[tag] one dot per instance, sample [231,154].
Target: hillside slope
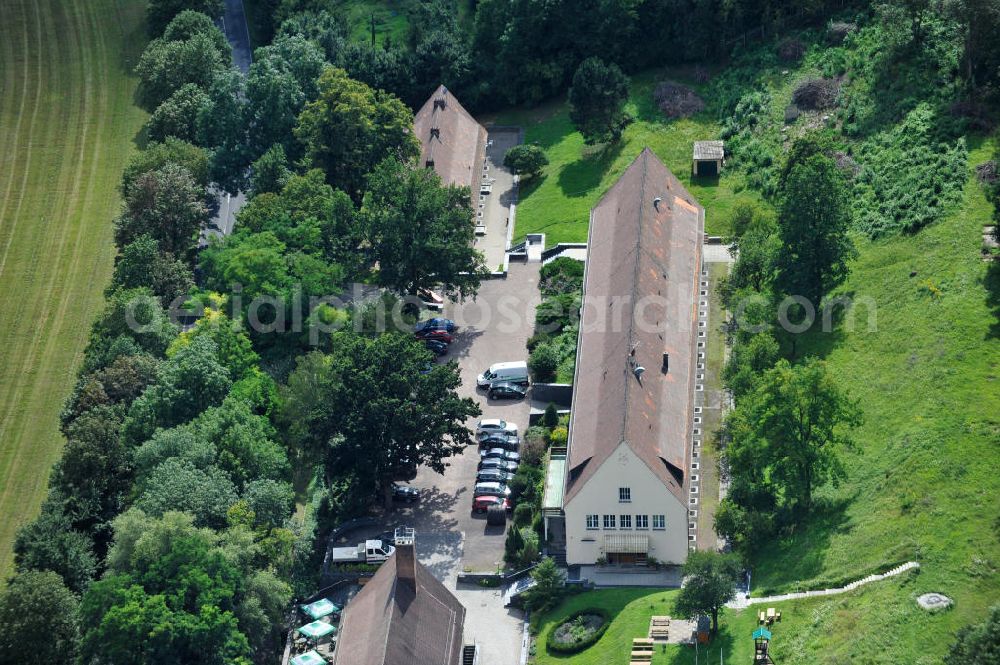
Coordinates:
[922,483]
[66,128]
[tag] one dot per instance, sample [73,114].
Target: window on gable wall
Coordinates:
[624,495]
[609,521]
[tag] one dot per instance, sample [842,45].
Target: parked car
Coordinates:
[482,503]
[436,347]
[491,489]
[507,390]
[496,425]
[439,335]
[405,493]
[493,476]
[497,463]
[499,441]
[515,372]
[500,453]
[436,324]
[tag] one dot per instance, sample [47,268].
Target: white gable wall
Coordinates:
[649,497]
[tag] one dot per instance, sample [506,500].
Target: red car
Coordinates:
[481,504]
[439,335]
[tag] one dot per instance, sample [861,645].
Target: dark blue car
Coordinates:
[435,324]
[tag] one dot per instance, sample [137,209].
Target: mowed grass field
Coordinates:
[67,124]
[558,201]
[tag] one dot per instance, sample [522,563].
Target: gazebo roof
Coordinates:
[317,629]
[309,658]
[321,608]
[706,150]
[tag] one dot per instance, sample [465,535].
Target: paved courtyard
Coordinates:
[450,539]
[495,206]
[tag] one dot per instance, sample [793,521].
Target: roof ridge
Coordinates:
[644,156]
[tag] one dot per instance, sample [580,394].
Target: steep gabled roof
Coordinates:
[451,140]
[640,299]
[396,622]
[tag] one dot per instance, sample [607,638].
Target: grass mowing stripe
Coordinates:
[25,80]
[59,241]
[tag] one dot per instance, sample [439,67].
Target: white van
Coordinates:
[515,372]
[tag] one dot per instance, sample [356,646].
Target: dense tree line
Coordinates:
[167,535]
[792,422]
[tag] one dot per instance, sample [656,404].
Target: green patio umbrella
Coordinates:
[308,658]
[317,629]
[321,608]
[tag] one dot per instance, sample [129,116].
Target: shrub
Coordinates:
[563,275]
[522,515]
[816,94]
[527,160]
[543,362]
[791,49]
[559,436]
[551,416]
[555,646]
[676,100]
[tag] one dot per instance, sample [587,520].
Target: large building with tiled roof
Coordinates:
[626,472]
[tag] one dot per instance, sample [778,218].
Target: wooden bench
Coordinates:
[642,644]
[642,656]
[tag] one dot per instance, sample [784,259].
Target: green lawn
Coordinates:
[862,626]
[558,202]
[66,126]
[922,482]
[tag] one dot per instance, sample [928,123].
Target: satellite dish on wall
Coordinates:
[638,371]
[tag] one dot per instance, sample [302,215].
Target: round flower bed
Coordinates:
[578,631]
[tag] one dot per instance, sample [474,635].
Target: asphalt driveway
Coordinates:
[493,328]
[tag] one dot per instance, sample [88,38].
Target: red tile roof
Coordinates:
[451,140]
[396,621]
[640,301]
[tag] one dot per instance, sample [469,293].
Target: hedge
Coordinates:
[556,647]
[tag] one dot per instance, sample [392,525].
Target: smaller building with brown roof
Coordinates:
[403,616]
[451,141]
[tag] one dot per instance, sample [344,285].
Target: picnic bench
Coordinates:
[659,628]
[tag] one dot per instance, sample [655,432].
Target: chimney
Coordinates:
[406,557]
[666,363]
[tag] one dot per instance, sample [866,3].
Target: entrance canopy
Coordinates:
[308,658]
[321,608]
[626,543]
[317,629]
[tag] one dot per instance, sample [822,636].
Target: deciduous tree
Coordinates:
[160,12]
[374,410]
[813,226]
[167,205]
[350,128]
[40,620]
[420,232]
[709,583]
[525,160]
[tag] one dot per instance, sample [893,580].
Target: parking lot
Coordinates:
[450,539]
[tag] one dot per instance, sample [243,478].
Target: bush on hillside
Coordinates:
[676,100]
[791,49]
[816,94]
